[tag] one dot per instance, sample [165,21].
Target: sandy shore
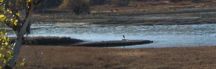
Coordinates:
[58,57]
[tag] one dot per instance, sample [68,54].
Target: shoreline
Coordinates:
[159,18]
[139,22]
[67,41]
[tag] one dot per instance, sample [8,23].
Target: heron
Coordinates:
[123,37]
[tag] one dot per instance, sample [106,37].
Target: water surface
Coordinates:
[162,35]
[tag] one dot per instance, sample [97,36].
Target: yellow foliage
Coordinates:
[9,11]
[14,21]
[18,14]
[5,48]
[9,17]
[2,17]
[1,1]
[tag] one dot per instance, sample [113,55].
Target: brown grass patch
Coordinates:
[48,57]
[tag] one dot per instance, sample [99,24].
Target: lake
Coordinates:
[162,35]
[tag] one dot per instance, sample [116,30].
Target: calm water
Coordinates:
[162,35]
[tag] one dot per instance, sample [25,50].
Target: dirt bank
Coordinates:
[42,57]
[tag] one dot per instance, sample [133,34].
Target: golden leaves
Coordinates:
[12,18]
[9,11]
[6,52]
[1,1]
[28,1]
[14,22]
[2,17]
[5,48]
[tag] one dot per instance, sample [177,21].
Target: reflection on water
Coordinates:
[162,35]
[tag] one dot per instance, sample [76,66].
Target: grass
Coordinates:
[48,57]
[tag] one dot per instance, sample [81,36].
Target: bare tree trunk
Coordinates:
[20,35]
[18,45]
[16,51]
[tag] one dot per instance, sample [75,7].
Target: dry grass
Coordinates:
[44,57]
[137,7]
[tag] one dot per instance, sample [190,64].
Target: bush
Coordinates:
[98,2]
[197,1]
[77,6]
[120,2]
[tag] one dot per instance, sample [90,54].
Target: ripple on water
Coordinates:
[162,35]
